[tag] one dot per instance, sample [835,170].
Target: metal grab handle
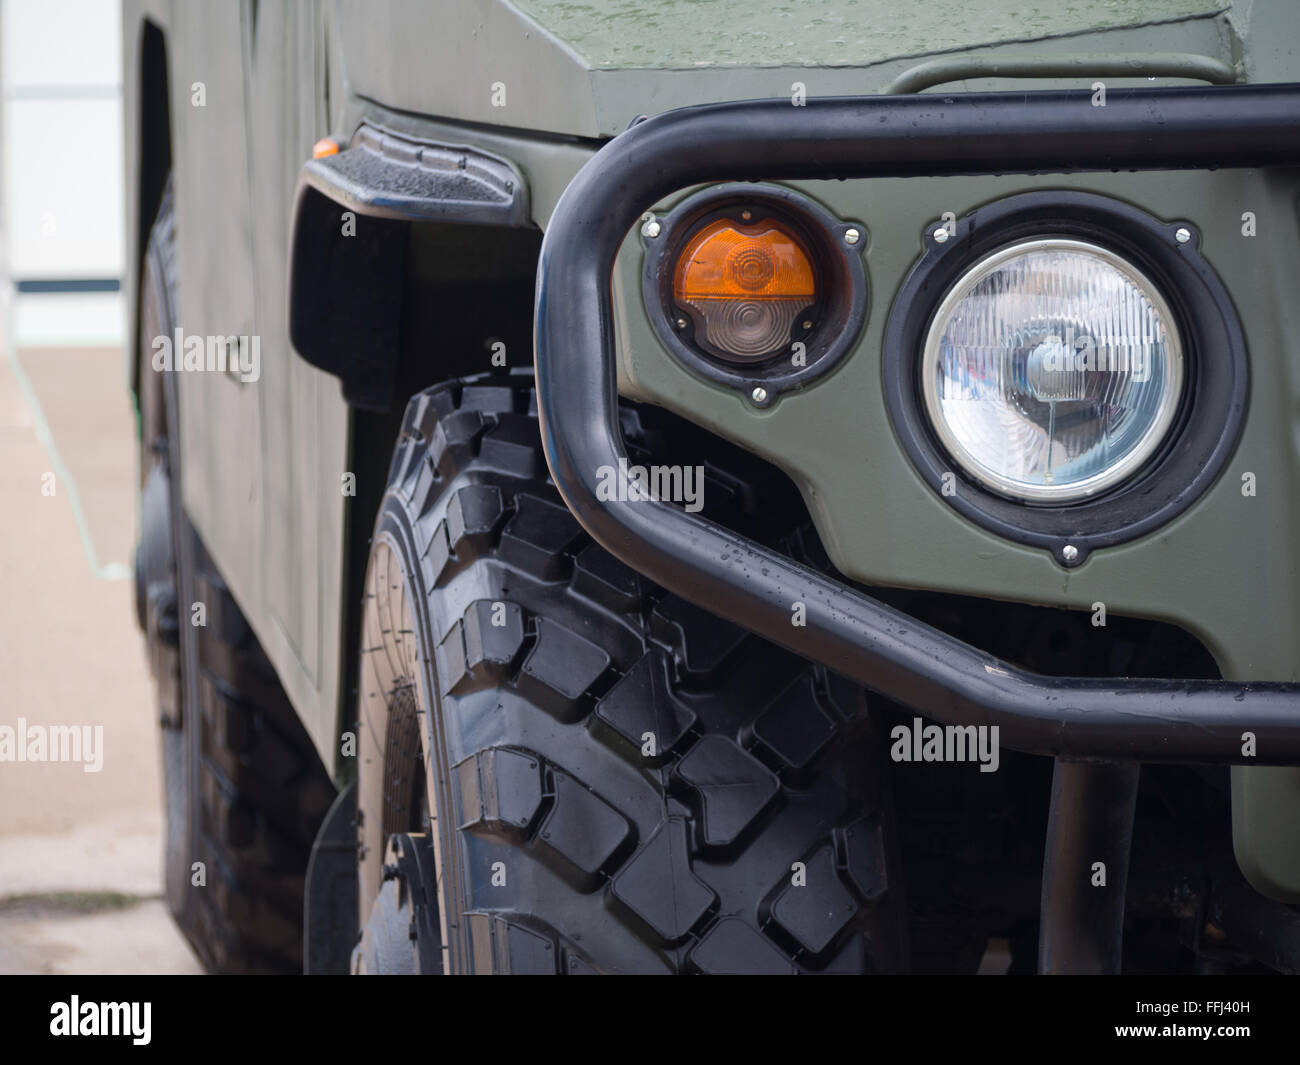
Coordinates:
[1081,65]
[876,136]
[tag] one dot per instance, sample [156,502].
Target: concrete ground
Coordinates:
[80,852]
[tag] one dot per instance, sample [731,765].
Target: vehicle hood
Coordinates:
[586,68]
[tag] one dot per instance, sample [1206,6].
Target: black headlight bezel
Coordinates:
[1197,445]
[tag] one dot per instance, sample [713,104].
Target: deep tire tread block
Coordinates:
[621,855]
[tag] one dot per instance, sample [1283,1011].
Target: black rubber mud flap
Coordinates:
[330,898]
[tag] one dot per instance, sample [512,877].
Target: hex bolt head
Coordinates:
[759,395]
[852,236]
[651,229]
[1182,234]
[1070,553]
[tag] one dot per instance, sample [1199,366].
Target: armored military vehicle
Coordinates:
[721,487]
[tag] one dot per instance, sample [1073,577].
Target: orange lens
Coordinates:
[728,260]
[744,285]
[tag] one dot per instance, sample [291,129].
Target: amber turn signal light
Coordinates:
[744,285]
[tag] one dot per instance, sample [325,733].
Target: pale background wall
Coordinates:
[80,853]
[61,78]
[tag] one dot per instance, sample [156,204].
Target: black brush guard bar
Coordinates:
[886,136]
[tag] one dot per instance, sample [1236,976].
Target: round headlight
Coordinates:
[1052,370]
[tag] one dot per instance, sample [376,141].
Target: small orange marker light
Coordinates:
[744,285]
[323,147]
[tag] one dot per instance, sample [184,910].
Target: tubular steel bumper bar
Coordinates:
[858,137]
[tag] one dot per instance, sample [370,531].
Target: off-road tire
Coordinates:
[259,796]
[622,782]
[244,790]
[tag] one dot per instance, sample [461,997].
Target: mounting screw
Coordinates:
[852,236]
[745,216]
[650,229]
[759,395]
[807,326]
[941,235]
[1182,234]
[681,323]
[1069,552]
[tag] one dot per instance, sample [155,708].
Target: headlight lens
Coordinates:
[1052,370]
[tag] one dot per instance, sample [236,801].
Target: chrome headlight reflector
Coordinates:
[1052,370]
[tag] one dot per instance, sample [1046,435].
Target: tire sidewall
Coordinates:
[393,531]
[158,305]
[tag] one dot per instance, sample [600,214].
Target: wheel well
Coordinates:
[464,290]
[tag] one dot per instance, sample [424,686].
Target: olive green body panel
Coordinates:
[1210,571]
[587,69]
[263,462]
[729,34]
